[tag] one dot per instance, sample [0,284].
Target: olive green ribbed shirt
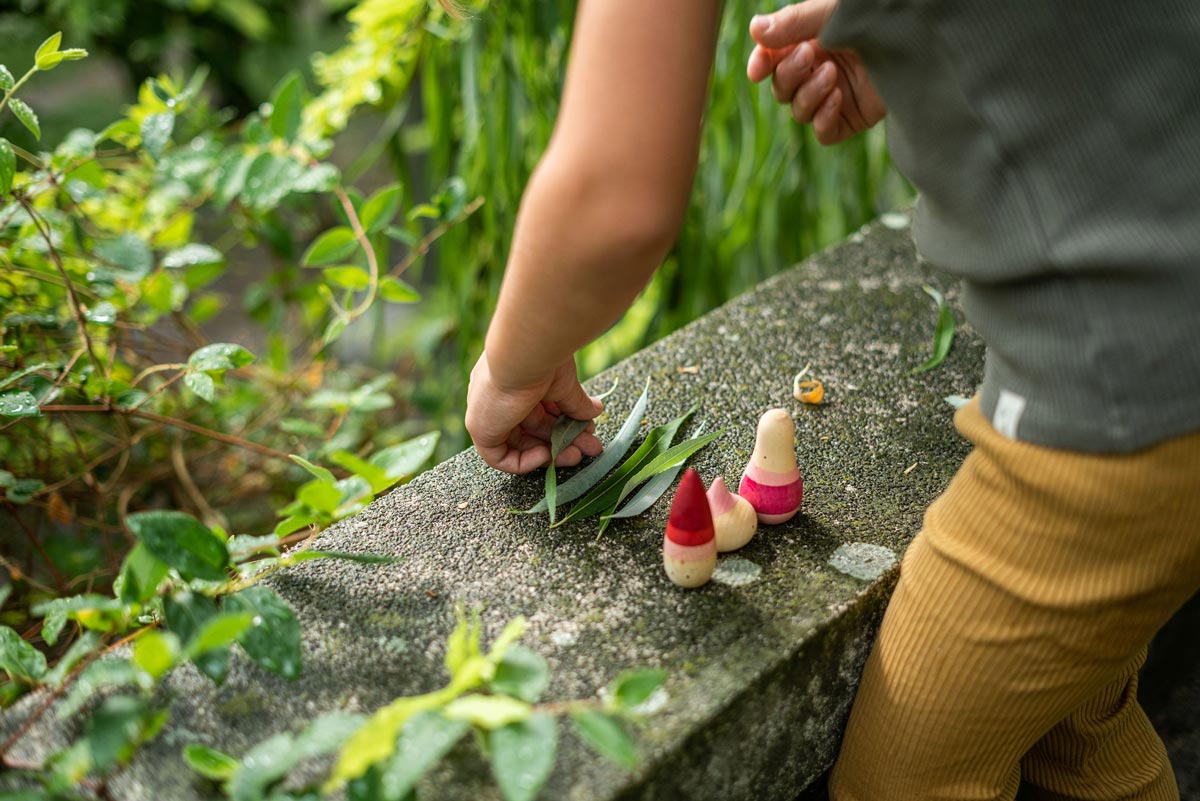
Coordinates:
[1056,148]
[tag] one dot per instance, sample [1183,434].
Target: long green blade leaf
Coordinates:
[587,478]
[566,429]
[943,333]
[645,497]
[602,498]
[675,455]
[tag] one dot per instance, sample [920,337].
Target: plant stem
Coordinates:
[228,439]
[18,85]
[72,297]
[365,242]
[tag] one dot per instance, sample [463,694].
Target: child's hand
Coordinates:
[828,88]
[511,426]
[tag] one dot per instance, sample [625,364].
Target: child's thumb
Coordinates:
[791,24]
[576,403]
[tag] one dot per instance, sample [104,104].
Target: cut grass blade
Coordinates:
[603,498]
[943,333]
[588,477]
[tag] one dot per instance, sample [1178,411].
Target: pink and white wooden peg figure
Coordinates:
[772,482]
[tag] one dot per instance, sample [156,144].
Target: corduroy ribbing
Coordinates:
[1011,644]
[1056,148]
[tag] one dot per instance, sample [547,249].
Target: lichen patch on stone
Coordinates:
[862,560]
[736,572]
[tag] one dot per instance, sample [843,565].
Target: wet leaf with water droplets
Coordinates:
[18,404]
[523,756]
[274,640]
[425,738]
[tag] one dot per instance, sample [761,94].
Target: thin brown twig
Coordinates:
[422,248]
[175,422]
[72,297]
[37,545]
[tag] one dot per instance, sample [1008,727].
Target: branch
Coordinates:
[72,297]
[228,439]
[422,247]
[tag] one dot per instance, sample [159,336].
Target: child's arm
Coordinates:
[596,219]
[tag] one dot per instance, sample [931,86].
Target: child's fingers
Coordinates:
[813,92]
[827,122]
[791,24]
[569,457]
[791,72]
[589,444]
[763,61]
[515,459]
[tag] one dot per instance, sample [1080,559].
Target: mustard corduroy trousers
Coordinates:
[1011,645]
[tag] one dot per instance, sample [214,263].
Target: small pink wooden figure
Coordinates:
[734,518]
[772,482]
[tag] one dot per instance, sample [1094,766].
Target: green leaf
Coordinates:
[318,472]
[294,523]
[26,115]
[187,614]
[273,642]
[192,255]
[156,132]
[118,726]
[46,49]
[274,758]
[98,676]
[943,334]
[378,212]
[635,687]
[287,106]
[19,404]
[675,455]
[523,756]
[73,54]
[155,652]
[320,495]
[424,739]
[393,290]
[606,735]
[129,256]
[141,573]
[220,356]
[209,762]
[401,461]
[19,659]
[522,673]
[218,632]
[269,179]
[333,245]
[183,542]
[83,645]
[587,478]
[7,81]
[202,384]
[603,498]
[8,166]
[463,643]
[347,276]
[12,378]
[22,490]
[565,430]
[487,711]
[645,497]
[53,624]
[361,558]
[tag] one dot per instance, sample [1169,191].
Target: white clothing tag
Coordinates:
[1009,408]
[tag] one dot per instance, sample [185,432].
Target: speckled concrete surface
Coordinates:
[761,671]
